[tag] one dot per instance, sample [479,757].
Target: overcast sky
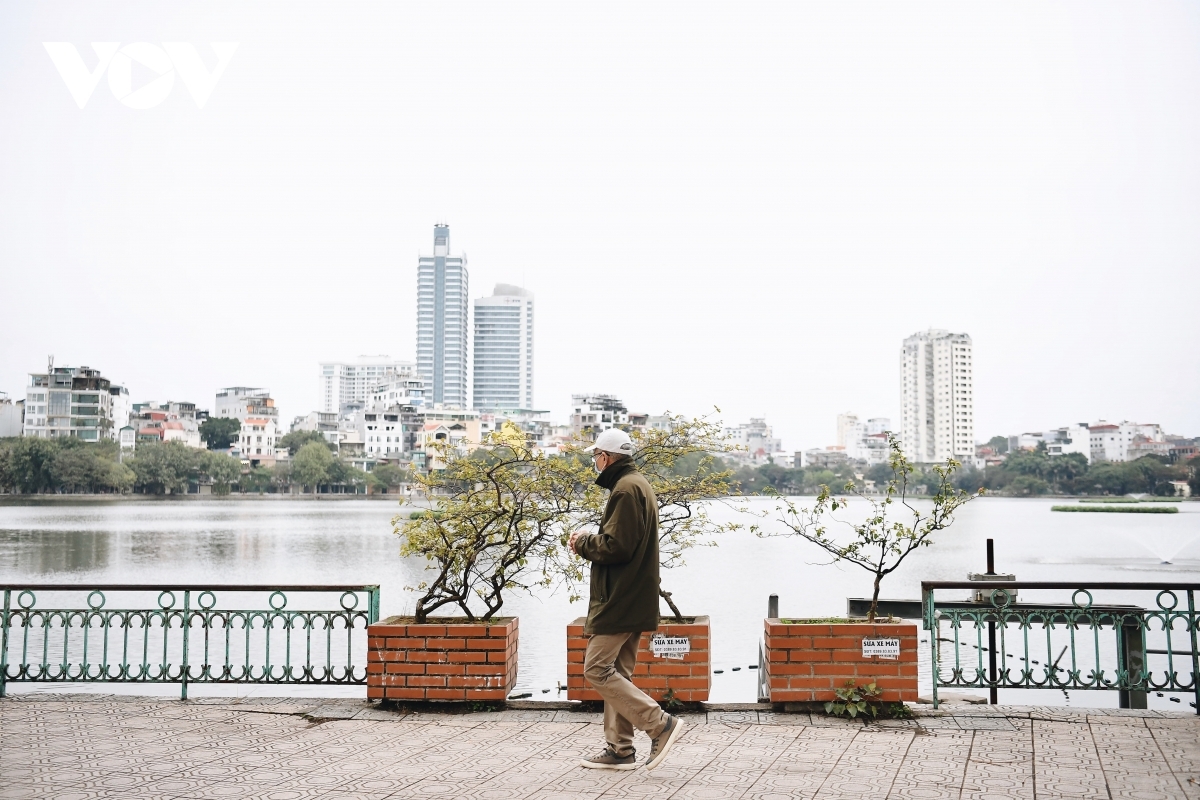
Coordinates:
[742,205]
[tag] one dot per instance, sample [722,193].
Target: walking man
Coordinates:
[623,604]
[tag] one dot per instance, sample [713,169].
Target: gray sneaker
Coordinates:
[661,744]
[610,760]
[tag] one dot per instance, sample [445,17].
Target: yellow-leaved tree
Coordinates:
[496,521]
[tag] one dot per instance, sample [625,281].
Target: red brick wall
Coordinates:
[690,678]
[805,663]
[442,660]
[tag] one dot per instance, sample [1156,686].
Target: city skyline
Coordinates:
[768,219]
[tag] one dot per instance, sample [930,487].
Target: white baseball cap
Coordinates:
[613,440]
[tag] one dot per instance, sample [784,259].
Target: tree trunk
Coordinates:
[874,600]
[665,595]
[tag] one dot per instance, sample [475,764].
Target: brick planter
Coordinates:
[690,678]
[444,659]
[806,662]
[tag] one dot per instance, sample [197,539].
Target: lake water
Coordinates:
[289,541]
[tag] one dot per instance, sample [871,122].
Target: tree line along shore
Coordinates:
[31,466]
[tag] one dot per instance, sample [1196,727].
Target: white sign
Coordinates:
[670,646]
[884,648]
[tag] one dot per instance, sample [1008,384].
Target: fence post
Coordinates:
[930,609]
[1191,627]
[4,641]
[187,597]
[1130,646]
[373,603]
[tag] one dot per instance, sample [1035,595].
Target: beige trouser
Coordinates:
[608,666]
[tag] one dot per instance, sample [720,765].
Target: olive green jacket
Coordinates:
[624,555]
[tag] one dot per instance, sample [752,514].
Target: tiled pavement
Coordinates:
[71,747]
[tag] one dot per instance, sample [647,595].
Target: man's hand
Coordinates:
[571,541]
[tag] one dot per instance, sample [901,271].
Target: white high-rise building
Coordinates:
[345,382]
[937,418]
[503,356]
[442,286]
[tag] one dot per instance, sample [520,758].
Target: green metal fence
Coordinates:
[1075,643]
[54,633]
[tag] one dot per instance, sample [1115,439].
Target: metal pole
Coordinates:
[1191,627]
[4,641]
[187,595]
[993,692]
[773,608]
[930,610]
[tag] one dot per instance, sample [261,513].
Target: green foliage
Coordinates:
[219,433]
[294,442]
[1027,486]
[281,475]
[854,700]
[223,469]
[165,468]
[999,444]
[91,468]
[671,702]
[312,465]
[879,544]
[29,464]
[1120,509]
[344,474]
[387,476]
[258,480]
[1027,473]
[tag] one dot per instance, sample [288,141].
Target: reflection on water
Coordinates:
[57,551]
[279,540]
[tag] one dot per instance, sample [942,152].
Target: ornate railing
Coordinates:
[1076,645]
[184,634]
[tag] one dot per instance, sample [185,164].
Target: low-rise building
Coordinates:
[864,441]
[1111,441]
[1184,450]
[243,402]
[322,422]
[1145,446]
[256,441]
[12,416]
[832,456]
[755,442]
[172,421]
[76,402]
[1057,441]
[593,413]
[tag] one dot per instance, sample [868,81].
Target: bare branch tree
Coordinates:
[880,543]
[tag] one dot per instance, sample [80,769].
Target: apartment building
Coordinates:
[344,383]
[75,402]
[937,417]
[243,402]
[502,376]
